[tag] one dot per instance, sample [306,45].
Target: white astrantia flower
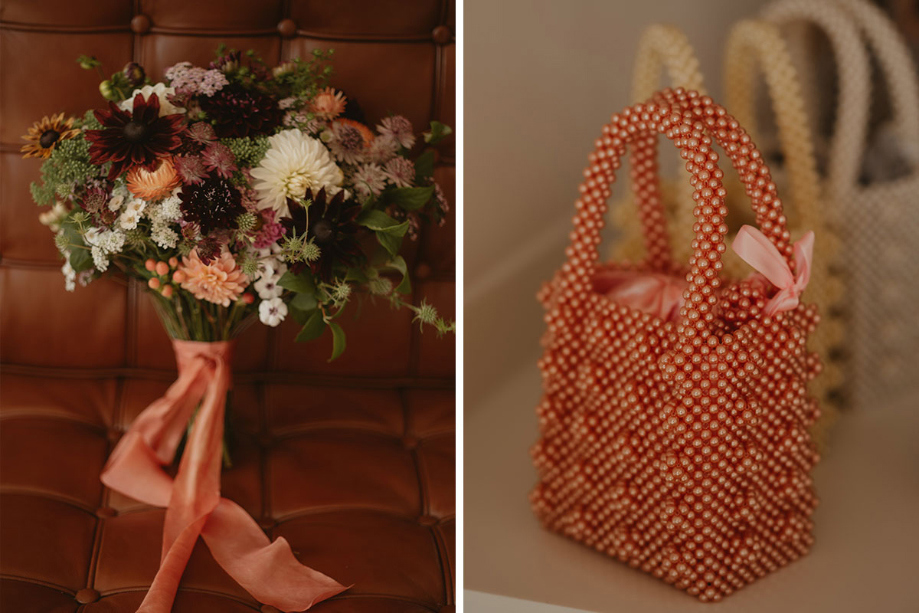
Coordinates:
[272,312]
[161,91]
[293,163]
[368,179]
[91,235]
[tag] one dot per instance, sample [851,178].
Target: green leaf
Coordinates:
[302,306]
[313,327]
[409,198]
[338,340]
[378,221]
[80,260]
[390,242]
[357,276]
[301,284]
[438,132]
[424,165]
[398,264]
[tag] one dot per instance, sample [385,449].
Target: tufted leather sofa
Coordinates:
[352,462]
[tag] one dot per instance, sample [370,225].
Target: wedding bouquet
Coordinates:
[232,191]
[237,190]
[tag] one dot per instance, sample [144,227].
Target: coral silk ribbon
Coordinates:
[269,571]
[757,250]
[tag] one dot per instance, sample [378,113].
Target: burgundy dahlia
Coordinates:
[332,225]
[138,138]
[237,112]
[212,205]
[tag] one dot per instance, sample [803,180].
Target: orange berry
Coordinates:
[178,276]
[173,262]
[167,291]
[153,283]
[162,268]
[150,264]
[248,298]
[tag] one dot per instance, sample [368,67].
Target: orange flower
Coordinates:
[156,185]
[365,132]
[44,135]
[220,282]
[328,104]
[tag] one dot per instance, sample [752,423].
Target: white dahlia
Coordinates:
[293,163]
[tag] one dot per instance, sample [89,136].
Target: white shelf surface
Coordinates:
[865,557]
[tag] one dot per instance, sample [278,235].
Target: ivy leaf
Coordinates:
[338,340]
[409,198]
[398,264]
[424,166]
[438,132]
[313,327]
[301,284]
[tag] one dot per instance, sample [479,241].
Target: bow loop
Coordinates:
[757,250]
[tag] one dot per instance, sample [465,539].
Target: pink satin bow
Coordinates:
[655,293]
[757,250]
[269,571]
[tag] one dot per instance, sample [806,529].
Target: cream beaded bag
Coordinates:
[877,222]
[750,45]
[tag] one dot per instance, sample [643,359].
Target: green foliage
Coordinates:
[248,150]
[424,166]
[437,133]
[67,167]
[408,198]
[305,78]
[89,121]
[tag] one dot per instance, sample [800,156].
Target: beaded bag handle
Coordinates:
[664,47]
[691,122]
[754,45]
[841,21]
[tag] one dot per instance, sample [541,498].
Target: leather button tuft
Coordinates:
[140,24]
[113,435]
[442,35]
[106,512]
[427,520]
[267,608]
[287,28]
[423,271]
[409,441]
[87,595]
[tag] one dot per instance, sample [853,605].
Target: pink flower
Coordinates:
[368,179]
[351,141]
[328,104]
[382,149]
[219,158]
[190,168]
[202,132]
[270,232]
[400,171]
[220,282]
[399,128]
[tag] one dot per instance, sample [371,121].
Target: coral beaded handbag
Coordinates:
[674,424]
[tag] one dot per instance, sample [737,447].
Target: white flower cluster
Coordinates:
[271,310]
[164,215]
[104,243]
[132,213]
[70,275]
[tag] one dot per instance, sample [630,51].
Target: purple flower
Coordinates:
[191,169]
[218,158]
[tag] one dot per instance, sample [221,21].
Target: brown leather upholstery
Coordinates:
[352,462]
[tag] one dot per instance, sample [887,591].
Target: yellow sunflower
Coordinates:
[45,134]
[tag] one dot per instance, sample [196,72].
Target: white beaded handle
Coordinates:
[850,132]
[664,46]
[753,44]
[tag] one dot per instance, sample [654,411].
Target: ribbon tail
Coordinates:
[162,592]
[133,468]
[267,570]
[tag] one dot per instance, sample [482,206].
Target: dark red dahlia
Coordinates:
[236,112]
[212,205]
[138,138]
[332,225]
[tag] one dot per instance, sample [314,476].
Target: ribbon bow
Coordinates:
[269,571]
[650,292]
[757,250]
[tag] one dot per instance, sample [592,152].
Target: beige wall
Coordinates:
[540,79]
